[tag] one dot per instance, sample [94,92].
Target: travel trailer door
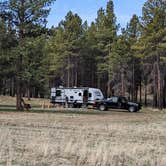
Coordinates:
[85,96]
[59,95]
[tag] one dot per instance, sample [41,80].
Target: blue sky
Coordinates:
[87,10]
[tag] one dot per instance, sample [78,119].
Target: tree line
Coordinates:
[129,61]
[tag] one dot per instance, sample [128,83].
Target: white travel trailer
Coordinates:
[76,96]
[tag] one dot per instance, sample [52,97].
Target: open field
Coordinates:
[69,139]
[7,101]
[80,137]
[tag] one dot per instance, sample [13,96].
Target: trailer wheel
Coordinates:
[84,106]
[71,105]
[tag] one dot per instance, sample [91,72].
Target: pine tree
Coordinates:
[65,46]
[106,34]
[7,42]
[134,72]
[119,64]
[25,18]
[152,36]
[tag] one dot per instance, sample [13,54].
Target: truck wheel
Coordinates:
[132,109]
[102,107]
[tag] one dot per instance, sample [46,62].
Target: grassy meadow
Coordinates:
[83,138]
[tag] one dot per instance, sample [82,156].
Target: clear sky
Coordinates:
[87,10]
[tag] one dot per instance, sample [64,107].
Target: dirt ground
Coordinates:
[67,139]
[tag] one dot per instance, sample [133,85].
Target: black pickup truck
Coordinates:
[117,102]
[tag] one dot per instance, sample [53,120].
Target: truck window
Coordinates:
[123,100]
[79,94]
[58,93]
[114,99]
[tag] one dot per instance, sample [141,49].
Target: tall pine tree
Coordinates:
[25,16]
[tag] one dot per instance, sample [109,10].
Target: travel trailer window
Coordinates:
[90,94]
[58,92]
[79,94]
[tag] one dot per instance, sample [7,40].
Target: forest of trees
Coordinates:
[128,61]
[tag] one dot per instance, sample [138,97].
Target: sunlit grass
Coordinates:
[7,101]
[115,138]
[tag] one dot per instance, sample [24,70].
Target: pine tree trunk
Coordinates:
[164,92]
[145,102]
[129,97]
[0,87]
[76,76]
[136,95]
[72,72]
[28,91]
[122,83]
[93,82]
[155,86]
[18,84]
[109,89]
[18,94]
[11,86]
[76,73]
[98,81]
[4,87]
[133,83]
[68,73]
[159,84]
[140,91]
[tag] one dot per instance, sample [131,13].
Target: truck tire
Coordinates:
[132,109]
[102,107]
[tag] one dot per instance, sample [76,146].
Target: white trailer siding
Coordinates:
[78,95]
[95,94]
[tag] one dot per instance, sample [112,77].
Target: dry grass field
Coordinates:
[80,137]
[7,101]
[75,139]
